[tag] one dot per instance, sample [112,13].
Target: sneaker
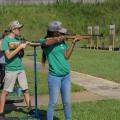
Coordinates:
[2,116]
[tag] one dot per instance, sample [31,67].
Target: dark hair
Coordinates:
[5,33]
[49,34]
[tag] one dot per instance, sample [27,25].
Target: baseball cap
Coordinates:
[15,24]
[56,26]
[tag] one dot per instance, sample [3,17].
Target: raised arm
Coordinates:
[10,55]
[69,51]
[53,40]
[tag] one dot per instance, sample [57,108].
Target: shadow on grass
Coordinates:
[22,110]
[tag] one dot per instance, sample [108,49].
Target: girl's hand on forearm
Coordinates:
[77,38]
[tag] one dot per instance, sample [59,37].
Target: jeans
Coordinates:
[56,85]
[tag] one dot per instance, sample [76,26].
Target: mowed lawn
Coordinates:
[100,63]
[42,83]
[99,110]
[104,64]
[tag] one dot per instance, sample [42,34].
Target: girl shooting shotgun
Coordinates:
[57,53]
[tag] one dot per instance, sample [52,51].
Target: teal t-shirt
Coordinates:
[14,63]
[58,64]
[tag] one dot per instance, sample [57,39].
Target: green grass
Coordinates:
[36,17]
[42,83]
[104,64]
[99,110]
[79,16]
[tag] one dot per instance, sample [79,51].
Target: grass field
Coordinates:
[100,63]
[42,83]
[103,64]
[99,110]
[79,16]
[36,17]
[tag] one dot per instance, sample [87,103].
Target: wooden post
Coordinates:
[111,37]
[96,32]
[90,33]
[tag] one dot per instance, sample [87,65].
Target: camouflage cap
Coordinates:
[15,24]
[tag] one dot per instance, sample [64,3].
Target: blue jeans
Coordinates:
[56,85]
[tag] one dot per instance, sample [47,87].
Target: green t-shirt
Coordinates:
[58,64]
[14,63]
